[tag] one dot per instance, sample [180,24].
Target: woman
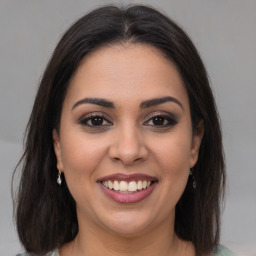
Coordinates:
[124,150]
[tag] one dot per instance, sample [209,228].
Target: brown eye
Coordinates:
[95,121]
[158,120]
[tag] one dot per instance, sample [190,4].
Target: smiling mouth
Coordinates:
[125,187]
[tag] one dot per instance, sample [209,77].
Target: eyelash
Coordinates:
[168,121]
[84,120]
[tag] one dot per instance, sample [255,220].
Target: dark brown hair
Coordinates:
[46,213]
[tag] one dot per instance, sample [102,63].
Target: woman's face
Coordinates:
[125,143]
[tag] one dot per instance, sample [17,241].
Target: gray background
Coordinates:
[225,34]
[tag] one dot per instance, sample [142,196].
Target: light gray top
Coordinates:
[54,253]
[222,251]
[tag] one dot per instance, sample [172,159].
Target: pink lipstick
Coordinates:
[124,188]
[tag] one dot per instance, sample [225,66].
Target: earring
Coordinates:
[59,178]
[194,183]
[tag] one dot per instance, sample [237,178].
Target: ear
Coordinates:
[196,142]
[57,149]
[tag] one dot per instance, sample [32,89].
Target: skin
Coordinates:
[127,141]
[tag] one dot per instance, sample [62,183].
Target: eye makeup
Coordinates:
[95,120]
[157,120]
[161,119]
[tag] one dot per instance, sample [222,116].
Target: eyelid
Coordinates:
[162,113]
[169,116]
[87,117]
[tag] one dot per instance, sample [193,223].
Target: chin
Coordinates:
[128,225]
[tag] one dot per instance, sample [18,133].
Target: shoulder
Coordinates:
[53,253]
[223,251]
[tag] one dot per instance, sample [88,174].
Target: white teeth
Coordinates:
[123,186]
[132,186]
[126,187]
[116,185]
[110,184]
[139,185]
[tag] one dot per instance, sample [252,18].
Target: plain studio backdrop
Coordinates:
[225,35]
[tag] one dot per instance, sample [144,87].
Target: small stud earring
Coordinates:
[194,183]
[59,178]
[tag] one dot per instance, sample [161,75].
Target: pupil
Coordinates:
[158,120]
[97,121]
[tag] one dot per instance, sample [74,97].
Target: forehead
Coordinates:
[130,71]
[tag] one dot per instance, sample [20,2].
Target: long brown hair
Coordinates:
[46,213]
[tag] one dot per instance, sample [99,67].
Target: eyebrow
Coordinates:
[157,101]
[145,104]
[96,101]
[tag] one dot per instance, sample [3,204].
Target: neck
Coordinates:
[92,241]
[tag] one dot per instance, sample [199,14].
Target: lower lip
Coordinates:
[129,197]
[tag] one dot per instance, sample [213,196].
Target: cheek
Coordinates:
[175,166]
[174,153]
[173,161]
[81,156]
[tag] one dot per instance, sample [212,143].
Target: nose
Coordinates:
[128,146]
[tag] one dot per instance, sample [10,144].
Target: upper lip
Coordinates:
[128,177]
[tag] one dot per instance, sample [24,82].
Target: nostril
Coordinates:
[128,150]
